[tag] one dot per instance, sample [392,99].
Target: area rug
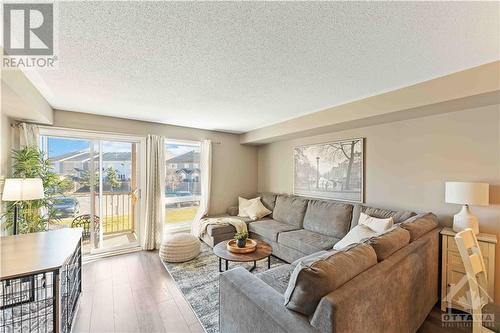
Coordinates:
[198,281]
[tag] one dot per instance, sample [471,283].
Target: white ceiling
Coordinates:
[240,66]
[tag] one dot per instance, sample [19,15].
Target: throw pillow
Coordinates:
[376,224]
[256,210]
[354,236]
[368,226]
[243,204]
[316,277]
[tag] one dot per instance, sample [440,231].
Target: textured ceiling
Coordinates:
[240,66]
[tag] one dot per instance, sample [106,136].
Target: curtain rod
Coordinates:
[18,123]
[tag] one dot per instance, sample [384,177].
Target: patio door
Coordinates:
[102,187]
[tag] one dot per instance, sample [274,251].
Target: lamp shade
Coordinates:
[468,193]
[22,189]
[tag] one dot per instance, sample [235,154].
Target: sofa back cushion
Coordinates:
[290,209]
[398,216]
[316,276]
[329,218]
[419,225]
[389,242]
[268,200]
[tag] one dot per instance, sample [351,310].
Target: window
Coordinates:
[182,182]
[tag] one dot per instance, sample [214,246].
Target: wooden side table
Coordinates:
[454,284]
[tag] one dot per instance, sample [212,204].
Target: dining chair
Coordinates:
[485,315]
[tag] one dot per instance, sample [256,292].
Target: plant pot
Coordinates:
[241,243]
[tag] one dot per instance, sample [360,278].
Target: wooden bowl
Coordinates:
[250,246]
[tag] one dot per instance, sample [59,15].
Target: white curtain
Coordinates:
[205,175]
[155,188]
[28,135]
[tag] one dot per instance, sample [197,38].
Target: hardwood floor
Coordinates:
[134,293]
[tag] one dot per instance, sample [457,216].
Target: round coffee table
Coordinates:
[263,250]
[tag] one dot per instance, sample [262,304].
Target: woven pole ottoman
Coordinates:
[179,247]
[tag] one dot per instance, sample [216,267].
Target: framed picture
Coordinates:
[332,170]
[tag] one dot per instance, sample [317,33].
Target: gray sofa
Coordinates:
[395,295]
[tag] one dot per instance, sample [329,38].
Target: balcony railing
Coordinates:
[118,212]
[116,216]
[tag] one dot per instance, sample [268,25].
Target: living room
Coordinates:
[250,167]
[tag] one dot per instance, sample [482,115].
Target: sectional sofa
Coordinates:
[394,294]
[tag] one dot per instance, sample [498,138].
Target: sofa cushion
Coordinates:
[328,217]
[306,241]
[389,242]
[398,216]
[269,229]
[290,210]
[277,277]
[315,277]
[419,225]
[268,200]
[233,211]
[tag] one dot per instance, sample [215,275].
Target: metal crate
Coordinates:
[42,302]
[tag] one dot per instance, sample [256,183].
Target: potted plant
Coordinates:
[30,162]
[241,239]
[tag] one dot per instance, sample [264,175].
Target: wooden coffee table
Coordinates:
[263,250]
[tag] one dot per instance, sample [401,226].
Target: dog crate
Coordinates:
[41,300]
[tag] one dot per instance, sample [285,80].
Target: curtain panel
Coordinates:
[155,188]
[206,180]
[29,135]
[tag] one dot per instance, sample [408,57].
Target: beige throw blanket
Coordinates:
[199,228]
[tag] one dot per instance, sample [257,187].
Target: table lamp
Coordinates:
[22,189]
[465,194]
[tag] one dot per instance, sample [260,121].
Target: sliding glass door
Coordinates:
[102,196]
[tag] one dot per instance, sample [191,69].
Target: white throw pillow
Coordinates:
[244,204]
[356,234]
[368,226]
[376,224]
[256,210]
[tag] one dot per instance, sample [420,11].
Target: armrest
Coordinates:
[248,304]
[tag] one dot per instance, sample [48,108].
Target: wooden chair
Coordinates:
[83,221]
[485,315]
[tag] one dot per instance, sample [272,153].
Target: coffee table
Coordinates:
[263,250]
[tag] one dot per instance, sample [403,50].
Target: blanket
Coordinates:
[199,228]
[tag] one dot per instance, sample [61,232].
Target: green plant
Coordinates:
[241,235]
[35,215]
[112,178]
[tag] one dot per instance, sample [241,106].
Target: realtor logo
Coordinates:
[28,36]
[28,29]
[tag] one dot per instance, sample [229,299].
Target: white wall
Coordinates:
[408,162]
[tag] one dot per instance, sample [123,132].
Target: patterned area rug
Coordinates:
[198,281]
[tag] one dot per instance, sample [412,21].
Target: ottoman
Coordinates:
[179,247]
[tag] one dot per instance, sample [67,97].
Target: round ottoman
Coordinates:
[179,247]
